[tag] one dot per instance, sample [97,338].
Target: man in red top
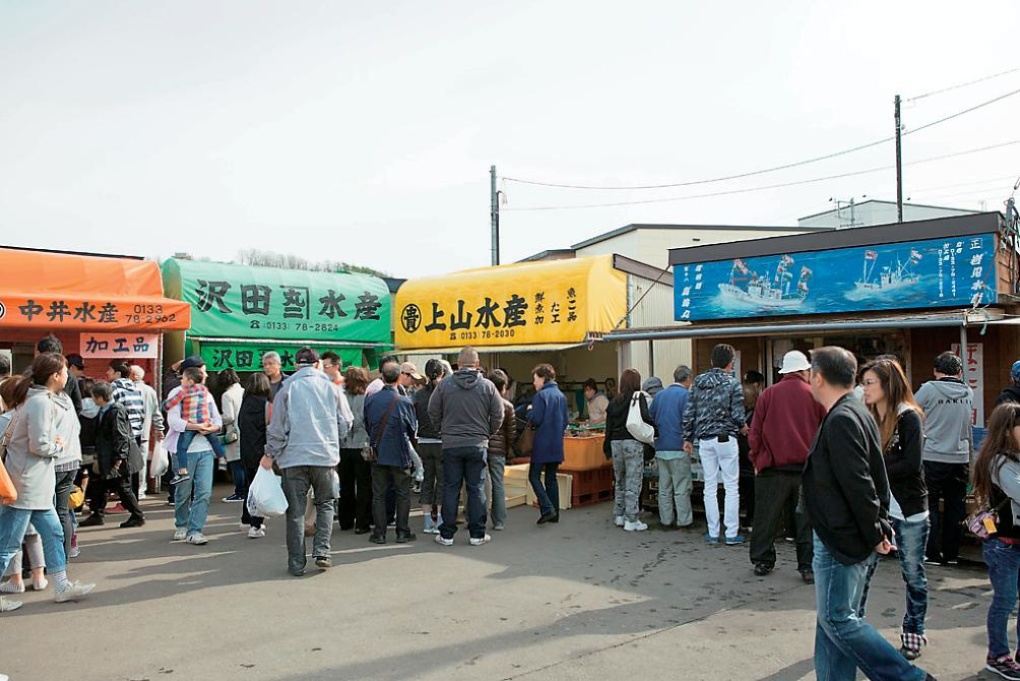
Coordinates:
[786,419]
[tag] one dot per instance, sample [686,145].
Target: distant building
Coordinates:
[848,214]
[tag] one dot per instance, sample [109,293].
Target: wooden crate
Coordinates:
[565,483]
[592,486]
[583,453]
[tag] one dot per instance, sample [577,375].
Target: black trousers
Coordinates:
[355,505]
[773,491]
[947,481]
[249,474]
[122,486]
[402,487]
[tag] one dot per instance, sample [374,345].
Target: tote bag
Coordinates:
[636,426]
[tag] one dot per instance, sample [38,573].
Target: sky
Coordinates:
[364,132]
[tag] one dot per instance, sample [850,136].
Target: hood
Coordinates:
[953,387]
[711,379]
[1014,392]
[36,390]
[466,379]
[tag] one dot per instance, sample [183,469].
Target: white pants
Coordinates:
[721,459]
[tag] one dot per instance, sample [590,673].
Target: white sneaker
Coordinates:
[256,532]
[619,521]
[244,527]
[444,542]
[180,534]
[478,541]
[8,605]
[141,496]
[635,526]
[73,592]
[197,538]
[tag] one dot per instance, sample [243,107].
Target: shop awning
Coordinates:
[51,291]
[551,303]
[490,349]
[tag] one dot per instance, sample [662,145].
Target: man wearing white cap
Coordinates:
[786,420]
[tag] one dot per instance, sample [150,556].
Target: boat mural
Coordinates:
[748,289]
[889,277]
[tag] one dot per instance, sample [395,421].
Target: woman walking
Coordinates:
[355,507]
[233,394]
[44,423]
[430,448]
[548,418]
[891,402]
[997,487]
[627,453]
[252,419]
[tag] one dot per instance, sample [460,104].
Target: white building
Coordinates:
[872,212]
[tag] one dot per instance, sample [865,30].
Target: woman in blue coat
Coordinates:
[548,418]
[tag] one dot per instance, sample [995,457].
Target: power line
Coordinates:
[764,171]
[764,187]
[961,85]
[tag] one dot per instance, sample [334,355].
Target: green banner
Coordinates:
[248,356]
[237,301]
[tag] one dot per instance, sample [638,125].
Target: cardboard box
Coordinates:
[583,453]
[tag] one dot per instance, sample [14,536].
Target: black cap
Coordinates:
[75,360]
[306,357]
[191,362]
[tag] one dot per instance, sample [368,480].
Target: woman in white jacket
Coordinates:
[233,394]
[39,437]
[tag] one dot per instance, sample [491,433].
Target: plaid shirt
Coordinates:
[125,392]
[194,400]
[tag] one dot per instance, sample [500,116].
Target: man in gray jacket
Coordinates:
[948,442]
[310,417]
[469,411]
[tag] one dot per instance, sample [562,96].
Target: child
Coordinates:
[194,399]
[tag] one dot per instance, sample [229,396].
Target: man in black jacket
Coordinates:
[846,495]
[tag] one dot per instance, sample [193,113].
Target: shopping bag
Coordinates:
[8,493]
[160,461]
[636,426]
[265,496]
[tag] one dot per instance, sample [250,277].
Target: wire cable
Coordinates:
[961,85]
[764,171]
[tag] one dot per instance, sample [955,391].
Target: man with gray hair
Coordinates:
[271,365]
[153,419]
[470,411]
[667,411]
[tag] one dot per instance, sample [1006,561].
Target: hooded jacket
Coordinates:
[467,408]
[309,419]
[1010,394]
[715,406]
[33,450]
[947,404]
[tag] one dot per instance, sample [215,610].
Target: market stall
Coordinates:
[241,312]
[101,307]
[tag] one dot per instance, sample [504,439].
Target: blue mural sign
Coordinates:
[956,272]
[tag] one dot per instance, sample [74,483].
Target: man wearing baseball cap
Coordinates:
[310,417]
[786,419]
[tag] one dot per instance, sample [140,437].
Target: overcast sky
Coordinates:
[364,132]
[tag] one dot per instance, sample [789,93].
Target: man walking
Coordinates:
[948,442]
[786,419]
[846,494]
[667,410]
[714,416]
[392,424]
[469,411]
[153,420]
[310,417]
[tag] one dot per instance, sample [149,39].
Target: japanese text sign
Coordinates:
[112,345]
[248,357]
[974,376]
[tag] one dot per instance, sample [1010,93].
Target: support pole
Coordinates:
[899,161]
[494,214]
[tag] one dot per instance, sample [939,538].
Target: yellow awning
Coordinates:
[534,303]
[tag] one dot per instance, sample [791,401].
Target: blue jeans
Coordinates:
[464,465]
[548,496]
[184,441]
[1003,561]
[13,525]
[844,642]
[911,540]
[191,510]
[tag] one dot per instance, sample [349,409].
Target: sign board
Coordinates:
[114,345]
[974,376]
[248,357]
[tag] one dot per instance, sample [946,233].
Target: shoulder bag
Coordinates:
[636,425]
[983,523]
[370,452]
[8,492]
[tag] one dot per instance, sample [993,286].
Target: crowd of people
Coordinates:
[846,460]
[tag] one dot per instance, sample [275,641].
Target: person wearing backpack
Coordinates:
[627,451]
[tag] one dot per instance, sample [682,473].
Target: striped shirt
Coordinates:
[194,400]
[125,392]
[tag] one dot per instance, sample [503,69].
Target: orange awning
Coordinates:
[89,293]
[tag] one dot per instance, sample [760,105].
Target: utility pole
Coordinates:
[494,214]
[899,161]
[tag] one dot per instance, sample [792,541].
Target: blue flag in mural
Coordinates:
[918,274]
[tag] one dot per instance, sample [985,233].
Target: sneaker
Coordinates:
[73,592]
[1005,666]
[142,496]
[197,538]
[431,529]
[440,539]
[324,562]
[233,499]
[735,541]
[74,552]
[244,527]
[478,541]
[499,527]
[40,585]
[10,587]
[180,534]
[377,538]
[711,538]
[762,569]
[133,521]
[619,521]
[93,520]
[807,574]
[8,605]
[634,526]
[404,538]
[179,478]
[256,532]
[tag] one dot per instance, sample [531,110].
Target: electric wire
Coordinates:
[961,85]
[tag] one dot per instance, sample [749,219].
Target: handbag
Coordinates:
[8,492]
[370,452]
[636,426]
[5,437]
[984,523]
[77,498]
[527,444]
[230,434]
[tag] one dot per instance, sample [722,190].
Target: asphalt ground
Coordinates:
[577,600]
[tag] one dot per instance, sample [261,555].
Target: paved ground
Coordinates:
[578,600]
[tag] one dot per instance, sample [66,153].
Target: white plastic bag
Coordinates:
[636,426]
[160,461]
[265,496]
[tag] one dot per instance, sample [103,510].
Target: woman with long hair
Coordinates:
[548,418]
[628,454]
[355,506]
[43,425]
[233,394]
[252,420]
[430,447]
[997,487]
[891,402]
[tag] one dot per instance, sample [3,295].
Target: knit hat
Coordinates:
[652,385]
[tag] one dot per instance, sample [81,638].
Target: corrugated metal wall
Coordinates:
[652,358]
